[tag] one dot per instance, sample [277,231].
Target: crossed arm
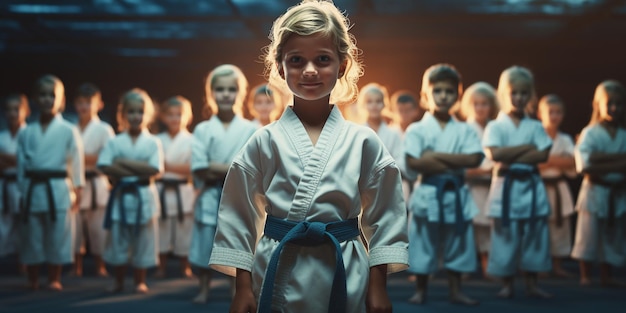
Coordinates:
[126,167]
[603,163]
[526,154]
[436,162]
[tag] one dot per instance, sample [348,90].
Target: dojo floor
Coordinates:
[174,294]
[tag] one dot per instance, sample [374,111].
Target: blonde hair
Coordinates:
[603,89]
[242,87]
[439,73]
[513,75]
[135,94]
[308,18]
[264,89]
[59,89]
[466,110]
[377,89]
[185,107]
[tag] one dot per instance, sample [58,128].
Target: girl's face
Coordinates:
[133,111]
[374,104]
[225,90]
[611,107]
[442,96]
[482,106]
[86,107]
[311,66]
[263,105]
[552,114]
[519,95]
[172,118]
[14,113]
[47,99]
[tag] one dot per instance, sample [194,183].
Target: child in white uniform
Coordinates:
[175,188]
[479,106]
[312,176]
[601,205]
[555,172]
[264,105]
[48,151]
[439,148]
[215,144]
[16,110]
[517,198]
[131,160]
[95,134]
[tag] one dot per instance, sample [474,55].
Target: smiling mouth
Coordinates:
[310,85]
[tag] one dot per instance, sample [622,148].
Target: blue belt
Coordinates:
[121,189]
[309,234]
[173,184]
[448,182]
[511,175]
[8,179]
[42,177]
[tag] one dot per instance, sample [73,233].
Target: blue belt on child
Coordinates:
[511,175]
[8,178]
[122,188]
[91,176]
[309,234]
[448,182]
[173,184]
[42,177]
[614,189]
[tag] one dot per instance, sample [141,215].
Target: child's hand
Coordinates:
[244,300]
[377,300]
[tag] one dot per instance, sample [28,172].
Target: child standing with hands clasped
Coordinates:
[50,175]
[440,148]
[308,178]
[131,160]
[601,156]
[517,198]
[95,134]
[176,192]
[555,172]
[215,144]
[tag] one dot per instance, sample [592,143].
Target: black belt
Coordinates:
[121,189]
[554,183]
[42,177]
[174,184]
[91,175]
[511,175]
[614,189]
[8,178]
[448,182]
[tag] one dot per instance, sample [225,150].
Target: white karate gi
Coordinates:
[429,238]
[525,244]
[347,174]
[213,143]
[9,211]
[124,241]
[479,188]
[58,148]
[560,236]
[175,234]
[594,240]
[89,220]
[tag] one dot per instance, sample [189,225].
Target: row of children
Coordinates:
[57,177]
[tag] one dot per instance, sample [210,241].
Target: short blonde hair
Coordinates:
[59,89]
[513,75]
[136,94]
[308,18]
[264,89]
[467,108]
[185,106]
[242,86]
[377,89]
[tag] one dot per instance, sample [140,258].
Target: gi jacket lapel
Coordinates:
[313,158]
